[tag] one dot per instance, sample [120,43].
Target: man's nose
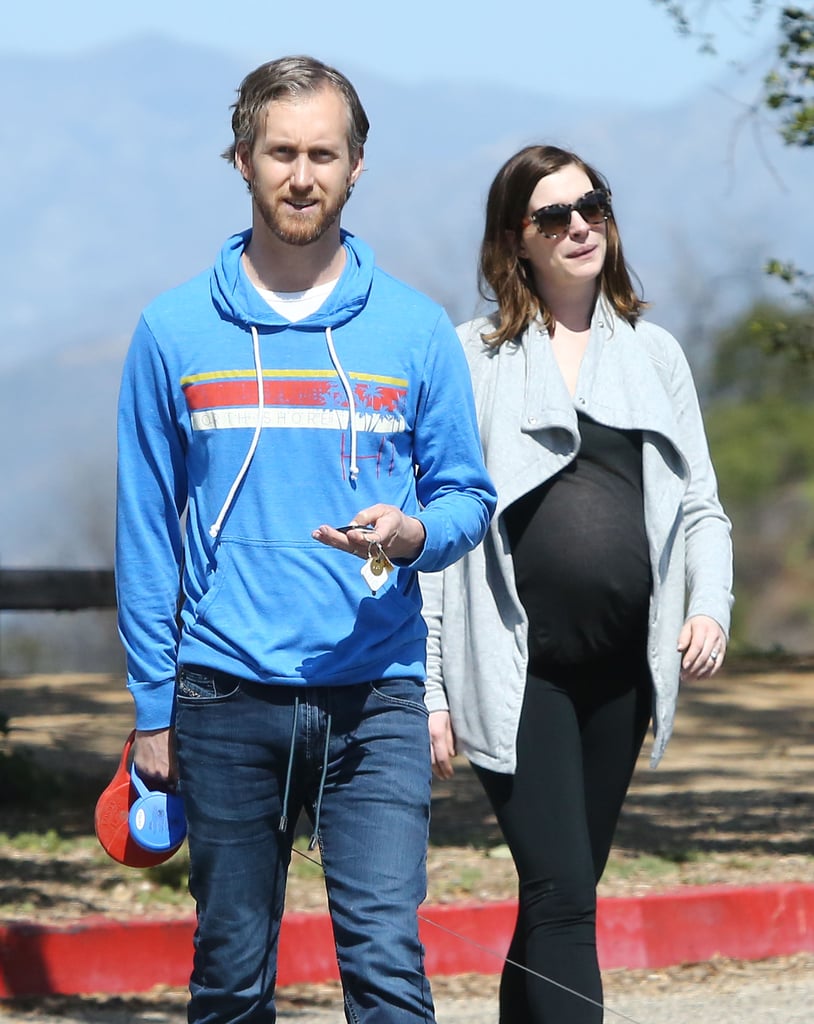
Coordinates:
[302,174]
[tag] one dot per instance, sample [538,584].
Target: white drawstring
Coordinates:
[354,469]
[215,528]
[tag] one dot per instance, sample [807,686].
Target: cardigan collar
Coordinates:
[523,391]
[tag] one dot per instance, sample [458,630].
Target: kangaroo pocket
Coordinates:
[295,611]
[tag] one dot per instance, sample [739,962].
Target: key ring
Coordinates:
[377,567]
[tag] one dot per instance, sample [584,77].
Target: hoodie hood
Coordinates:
[237,299]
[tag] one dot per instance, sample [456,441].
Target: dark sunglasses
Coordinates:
[554,220]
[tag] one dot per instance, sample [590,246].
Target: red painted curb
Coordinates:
[686,925]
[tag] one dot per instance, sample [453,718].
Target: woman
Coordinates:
[604,579]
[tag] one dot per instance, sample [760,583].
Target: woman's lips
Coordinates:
[584,250]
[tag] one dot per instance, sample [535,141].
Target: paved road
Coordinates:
[777,991]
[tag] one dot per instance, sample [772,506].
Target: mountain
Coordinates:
[113,190]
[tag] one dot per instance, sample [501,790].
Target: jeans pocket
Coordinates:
[406,693]
[204,686]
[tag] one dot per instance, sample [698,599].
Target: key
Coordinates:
[377,567]
[382,559]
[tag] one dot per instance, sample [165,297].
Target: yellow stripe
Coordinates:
[197,378]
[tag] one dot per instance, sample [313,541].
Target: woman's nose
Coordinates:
[578,226]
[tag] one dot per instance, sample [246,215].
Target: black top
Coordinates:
[580,553]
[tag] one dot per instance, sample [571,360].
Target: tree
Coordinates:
[759,417]
[742,369]
[787,96]
[789,86]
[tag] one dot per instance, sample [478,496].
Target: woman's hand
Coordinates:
[442,744]
[703,646]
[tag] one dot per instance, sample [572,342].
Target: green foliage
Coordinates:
[688,17]
[647,867]
[760,417]
[760,446]
[788,89]
[790,85]
[796,341]
[172,875]
[685,25]
[168,882]
[746,367]
[305,863]
[163,895]
[50,842]
[788,95]
[760,423]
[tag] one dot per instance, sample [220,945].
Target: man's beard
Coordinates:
[300,231]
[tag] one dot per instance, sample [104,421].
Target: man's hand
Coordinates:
[154,758]
[703,646]
[442,744]
[401,537]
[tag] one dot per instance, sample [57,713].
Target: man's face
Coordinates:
[300,168]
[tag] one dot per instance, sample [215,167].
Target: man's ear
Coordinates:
[243,161]
[358,166]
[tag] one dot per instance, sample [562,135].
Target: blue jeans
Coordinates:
[363,752]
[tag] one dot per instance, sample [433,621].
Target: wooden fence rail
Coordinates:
[58,590]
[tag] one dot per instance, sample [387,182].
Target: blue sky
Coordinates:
[624,50]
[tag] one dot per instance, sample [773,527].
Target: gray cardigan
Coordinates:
[631,379]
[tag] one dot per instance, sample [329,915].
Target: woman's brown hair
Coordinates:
[505,277]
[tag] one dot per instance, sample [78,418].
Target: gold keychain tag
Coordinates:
[377,568]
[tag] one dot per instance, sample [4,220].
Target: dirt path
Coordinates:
[733,800]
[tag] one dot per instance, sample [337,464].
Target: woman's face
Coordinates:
[574,259]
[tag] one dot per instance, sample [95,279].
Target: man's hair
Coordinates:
[505,277]
[286,78]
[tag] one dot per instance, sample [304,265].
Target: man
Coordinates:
[294,385]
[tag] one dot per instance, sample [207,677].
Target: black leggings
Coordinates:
[577,746]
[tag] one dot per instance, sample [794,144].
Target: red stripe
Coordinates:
[305,393]
[232,393]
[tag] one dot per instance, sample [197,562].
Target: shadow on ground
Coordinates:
[738,775]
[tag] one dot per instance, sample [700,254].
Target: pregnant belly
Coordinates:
[585,585]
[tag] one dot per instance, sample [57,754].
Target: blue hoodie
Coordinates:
[220,482]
